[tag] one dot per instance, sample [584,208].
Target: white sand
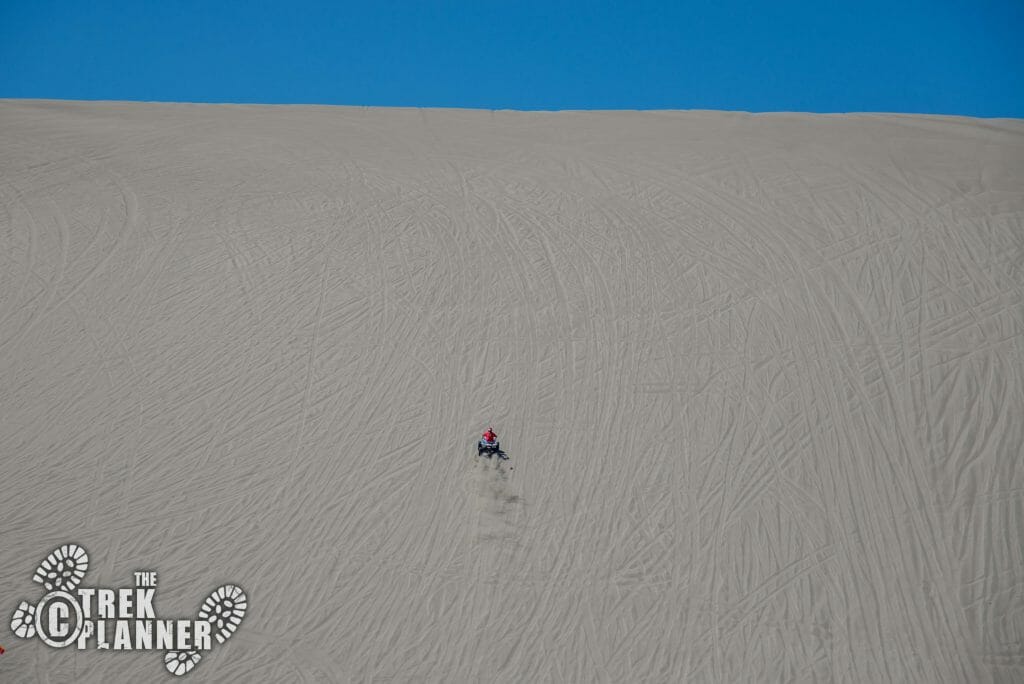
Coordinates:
[761,379]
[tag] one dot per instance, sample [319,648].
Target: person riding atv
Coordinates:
[488,443]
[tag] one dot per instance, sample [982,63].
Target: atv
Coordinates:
[485,447]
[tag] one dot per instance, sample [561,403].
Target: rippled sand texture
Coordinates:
[760,379]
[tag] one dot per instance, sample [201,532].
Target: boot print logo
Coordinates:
[122,619]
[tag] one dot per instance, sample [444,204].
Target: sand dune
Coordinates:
[760,380]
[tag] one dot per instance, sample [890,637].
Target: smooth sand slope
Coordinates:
[761,379]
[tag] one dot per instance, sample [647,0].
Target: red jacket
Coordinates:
[489,436]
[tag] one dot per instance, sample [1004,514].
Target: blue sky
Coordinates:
[941,56]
